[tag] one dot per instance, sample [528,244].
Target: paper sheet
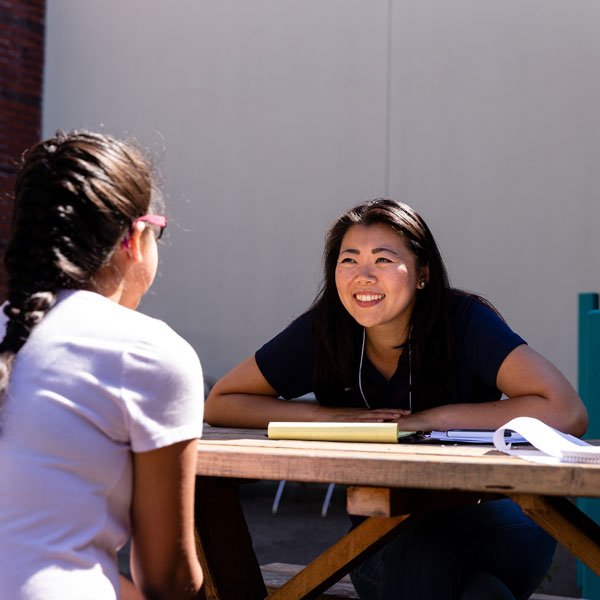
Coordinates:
[550,445]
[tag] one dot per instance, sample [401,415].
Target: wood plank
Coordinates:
[223,436]
[490,472]
[258,437]
[566,523]
[223,543]
[340,559]
[277,574]
[373,502]
[389,502]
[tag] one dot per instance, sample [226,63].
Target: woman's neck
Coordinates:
[384,348]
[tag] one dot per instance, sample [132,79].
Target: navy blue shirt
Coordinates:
[481,341]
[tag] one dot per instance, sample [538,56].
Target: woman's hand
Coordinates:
[425,420]
[361,415]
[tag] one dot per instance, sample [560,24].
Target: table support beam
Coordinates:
[223,543]
[389,502]
[566,523]
[341,558]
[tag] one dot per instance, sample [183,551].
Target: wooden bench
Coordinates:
[276,574]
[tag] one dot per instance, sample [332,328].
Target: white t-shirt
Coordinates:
[94,382]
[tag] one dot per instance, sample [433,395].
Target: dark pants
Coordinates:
[487,551]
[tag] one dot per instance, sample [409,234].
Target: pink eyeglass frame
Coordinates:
[153,220]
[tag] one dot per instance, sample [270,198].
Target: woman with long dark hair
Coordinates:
[388,339]
[101,405]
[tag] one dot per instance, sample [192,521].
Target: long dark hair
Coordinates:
[76,196]
[336,331]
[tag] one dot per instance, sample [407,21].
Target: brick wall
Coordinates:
[21,71]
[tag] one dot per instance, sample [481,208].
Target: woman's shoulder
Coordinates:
[476,317]
[104,324]
[464,305]
[305,320]
[103,312]
[287,360]
[301,328]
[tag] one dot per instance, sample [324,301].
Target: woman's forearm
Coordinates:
[491,415]
[128,590]
[255,411]
[534,388]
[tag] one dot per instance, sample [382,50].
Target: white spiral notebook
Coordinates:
[549,445]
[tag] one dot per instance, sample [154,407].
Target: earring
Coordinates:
[421,284]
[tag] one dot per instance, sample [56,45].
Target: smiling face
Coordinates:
[377,277]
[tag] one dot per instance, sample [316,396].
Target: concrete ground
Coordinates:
[298,533]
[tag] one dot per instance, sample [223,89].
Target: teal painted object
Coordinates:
[589,391]
[589,360]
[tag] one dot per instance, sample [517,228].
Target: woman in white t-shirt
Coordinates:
[100,406]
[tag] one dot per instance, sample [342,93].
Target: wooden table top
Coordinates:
[249,454]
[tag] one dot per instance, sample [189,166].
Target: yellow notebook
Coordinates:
[337,432]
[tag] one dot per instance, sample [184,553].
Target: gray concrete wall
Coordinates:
[272,117]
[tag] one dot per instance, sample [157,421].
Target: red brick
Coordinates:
[22,24]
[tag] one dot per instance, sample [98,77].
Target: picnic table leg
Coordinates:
[340,559]
[223,543]
[566,523]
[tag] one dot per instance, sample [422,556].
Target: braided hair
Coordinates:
[76,195]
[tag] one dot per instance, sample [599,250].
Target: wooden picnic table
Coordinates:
[386,482]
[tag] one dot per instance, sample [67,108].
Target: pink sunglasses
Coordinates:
[158,220]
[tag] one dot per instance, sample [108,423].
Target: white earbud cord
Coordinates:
[362,354]
[410,371]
